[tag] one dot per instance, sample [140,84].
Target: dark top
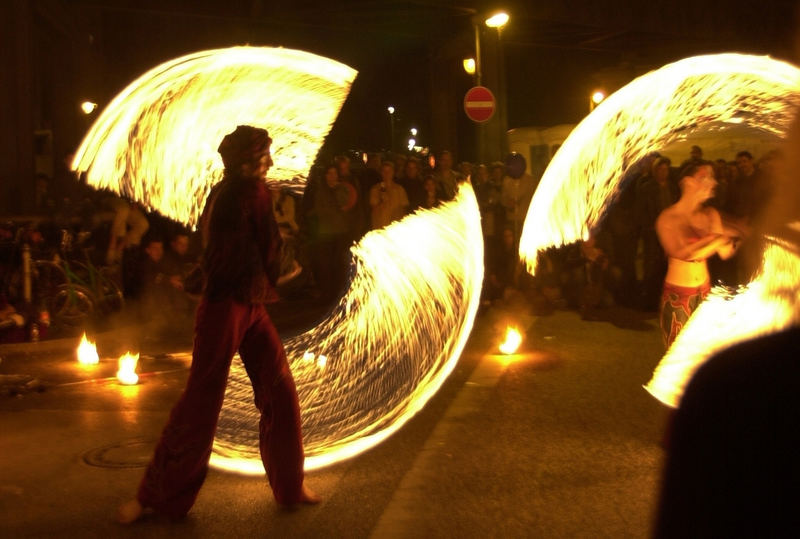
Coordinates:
[242,242]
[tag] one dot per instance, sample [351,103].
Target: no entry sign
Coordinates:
[479,104]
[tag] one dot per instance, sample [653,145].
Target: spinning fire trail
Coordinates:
[647,115]
[396,334]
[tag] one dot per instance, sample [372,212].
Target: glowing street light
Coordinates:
[596,98]
[469,65]
[413,131]
[411,143]
[497,20]
[88,107]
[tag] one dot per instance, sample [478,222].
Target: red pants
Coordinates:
[179,465]
[677,305]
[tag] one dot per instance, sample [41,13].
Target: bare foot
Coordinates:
[129,512]
[307,497]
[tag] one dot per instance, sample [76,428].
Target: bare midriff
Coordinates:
[687,273]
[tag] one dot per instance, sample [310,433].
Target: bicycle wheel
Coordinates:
[47,278]
[72,305]
[109,298]
[106,293]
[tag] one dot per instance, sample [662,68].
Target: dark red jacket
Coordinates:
[241,259]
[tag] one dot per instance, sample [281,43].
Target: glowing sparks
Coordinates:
[156,142]
[386,348]
[648,114]
[87,352]
[127,369]
[512,341]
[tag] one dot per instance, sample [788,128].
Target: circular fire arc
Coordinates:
[397,333]
[647,114]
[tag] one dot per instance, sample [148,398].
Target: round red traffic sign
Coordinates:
[479,104]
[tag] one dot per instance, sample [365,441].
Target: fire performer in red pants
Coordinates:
[241,264]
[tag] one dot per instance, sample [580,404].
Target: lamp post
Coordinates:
[498,20]
[477,63]
[390,109]
[492,134]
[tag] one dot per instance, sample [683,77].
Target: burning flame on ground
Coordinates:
[127,369]
[649,114]
[396,334]
[87,352]
[512,341]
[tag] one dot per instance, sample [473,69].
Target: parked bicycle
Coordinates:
[67,284]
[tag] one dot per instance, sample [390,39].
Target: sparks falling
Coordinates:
[414,292]
[648,114]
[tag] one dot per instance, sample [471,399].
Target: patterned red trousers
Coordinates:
[677,305]
[175,474]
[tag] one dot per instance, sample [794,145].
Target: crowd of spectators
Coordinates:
[156,260]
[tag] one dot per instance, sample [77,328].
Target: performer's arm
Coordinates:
[267,233]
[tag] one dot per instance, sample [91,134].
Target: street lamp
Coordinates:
[88,107]
[469,65]
[497,20]
[413,131]
[391,127]
[595,99]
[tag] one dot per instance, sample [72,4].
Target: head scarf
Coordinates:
[245,144]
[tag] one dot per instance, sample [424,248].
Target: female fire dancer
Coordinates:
[241,264]
[690,233]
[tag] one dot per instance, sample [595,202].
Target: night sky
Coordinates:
[556,51]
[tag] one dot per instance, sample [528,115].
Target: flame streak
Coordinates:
[766,305]
[647,115]
[156,142]
[415,286]
[389,344]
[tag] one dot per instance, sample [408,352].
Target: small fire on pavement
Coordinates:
[87,352]
[512,341]
[127,369]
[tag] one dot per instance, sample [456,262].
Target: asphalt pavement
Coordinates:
[559,440]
